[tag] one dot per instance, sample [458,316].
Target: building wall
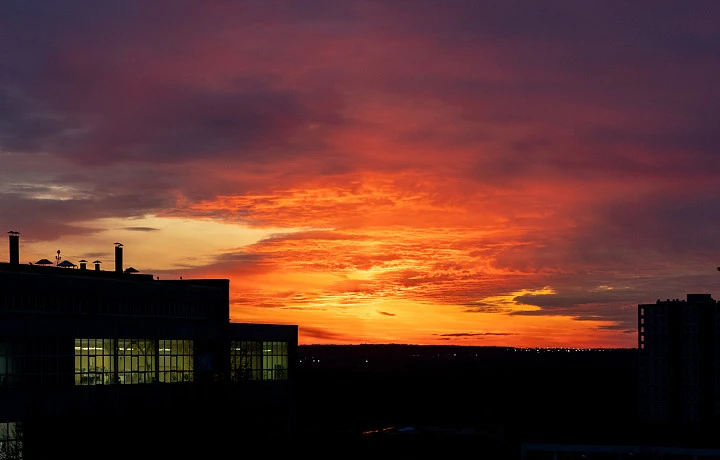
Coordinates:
[678,353]
[92,364]
[57,291]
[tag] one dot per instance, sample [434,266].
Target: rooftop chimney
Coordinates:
[14,247]
[83,264]
[97,265]
[118,258]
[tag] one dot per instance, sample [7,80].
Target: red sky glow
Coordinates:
[427,172]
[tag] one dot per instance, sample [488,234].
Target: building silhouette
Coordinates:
[118,364]
[679,353]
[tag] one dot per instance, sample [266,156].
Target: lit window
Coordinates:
[136,361]
[94,361]
[132,361]
[245,360]
[255,360]
[11,443]
[275,360]
[175,360]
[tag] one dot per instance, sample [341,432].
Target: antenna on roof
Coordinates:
[57,258]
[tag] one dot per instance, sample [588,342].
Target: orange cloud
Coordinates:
[453,172]
[397,242]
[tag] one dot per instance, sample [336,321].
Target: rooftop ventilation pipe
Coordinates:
[118,258]
[14,247]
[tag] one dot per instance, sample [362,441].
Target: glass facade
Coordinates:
[175,360]
[104,361]
[131,361]
[275,360]
[94,361]
[11,443]
[256,360]
[33,363]
[136,361]
[8,365]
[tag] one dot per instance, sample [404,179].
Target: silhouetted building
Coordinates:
[679,354]
[614,452]
[118,364]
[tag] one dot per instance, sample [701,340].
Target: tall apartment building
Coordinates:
[679,359]
[118,364]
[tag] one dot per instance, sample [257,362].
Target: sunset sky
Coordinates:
[513,172]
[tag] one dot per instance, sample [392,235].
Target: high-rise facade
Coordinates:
[679,356]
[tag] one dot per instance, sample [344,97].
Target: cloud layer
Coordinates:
[476,172]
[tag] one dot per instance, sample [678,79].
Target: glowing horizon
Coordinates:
[465,173]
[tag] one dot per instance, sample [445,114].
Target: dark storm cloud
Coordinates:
[585,84]
[48,218]
[323,334]
[231,263]
[615,26]
[141,229]
[312,235]
[92,93]
[46,199]
[614,297]
[621,253]
[82,79]
[665,226]
[386,313]
[679,223]
[183,124]
[621,319]
[481,307]
[473,334]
